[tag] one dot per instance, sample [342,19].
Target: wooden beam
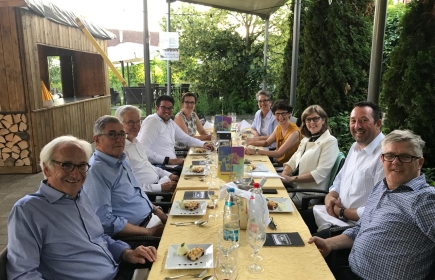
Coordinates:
[12,3]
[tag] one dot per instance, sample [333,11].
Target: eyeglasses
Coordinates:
[114,135]
[69,167]
[164,108]
[263,101]
[133,123]
[188,103]
[402,158]
[281,114]
[314,119]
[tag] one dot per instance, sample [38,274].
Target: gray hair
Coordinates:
[263,92]
[126,108]
[100,124]
[47,153]
[405,136]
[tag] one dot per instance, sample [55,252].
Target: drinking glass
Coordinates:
[226,266]
[213,194]
[208,167]
[226,243]
[255,236]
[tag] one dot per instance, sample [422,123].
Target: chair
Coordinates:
[133,95]
[3,262]
[306,198]
[339,258]
[114,97]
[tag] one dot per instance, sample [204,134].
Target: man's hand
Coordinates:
[156,230]
[249,151]
[321,244]
[176,161]
[169,186]
[139,254]
[174,177]
[330,202]
[209,146]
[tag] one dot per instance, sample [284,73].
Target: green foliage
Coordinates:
[429,173]
[392,31]
[54,73]
[340,129]
[409,82]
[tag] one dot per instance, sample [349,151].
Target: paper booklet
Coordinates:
[230,163]
[222,123]
[283,239]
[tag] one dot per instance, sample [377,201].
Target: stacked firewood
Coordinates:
[14,140]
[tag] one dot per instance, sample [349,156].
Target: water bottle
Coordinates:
[231,217]
[257,204]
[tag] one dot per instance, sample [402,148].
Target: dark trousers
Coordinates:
[126,270]
[308,217]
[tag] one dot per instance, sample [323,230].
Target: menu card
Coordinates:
[196,195]
[222,123]
[283,239]
[230,163]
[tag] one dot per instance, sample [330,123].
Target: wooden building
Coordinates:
[27,123]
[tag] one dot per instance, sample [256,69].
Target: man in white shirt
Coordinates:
[344,204]
[159,132]
[152,179]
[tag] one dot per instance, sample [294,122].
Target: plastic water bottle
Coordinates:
[231,217]
[257,204]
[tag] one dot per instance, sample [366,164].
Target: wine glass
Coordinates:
[227,242]
[255,236]
[226,266]
[213,194]
[211,167]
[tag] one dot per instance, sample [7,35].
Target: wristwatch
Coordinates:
[155,209]
[341,216]
[256,151]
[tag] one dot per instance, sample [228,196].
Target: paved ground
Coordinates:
[12,188]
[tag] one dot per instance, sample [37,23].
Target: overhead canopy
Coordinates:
[129,52]
[261,8]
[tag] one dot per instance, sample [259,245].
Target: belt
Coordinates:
[145,221]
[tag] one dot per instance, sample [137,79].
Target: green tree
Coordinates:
[409,82]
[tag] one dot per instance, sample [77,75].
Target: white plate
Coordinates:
[177,211]
[174,261]
[193,152]
[259,167]
[190,173]
[288,207]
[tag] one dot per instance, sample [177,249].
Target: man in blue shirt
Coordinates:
[395,237]
[115,194]
[54,233]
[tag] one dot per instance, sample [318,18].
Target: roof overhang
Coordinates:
[12,3]
[261,8]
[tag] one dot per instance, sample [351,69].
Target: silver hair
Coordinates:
[100,124]
[263,92]
[405,136]
[126,108]
[47,153]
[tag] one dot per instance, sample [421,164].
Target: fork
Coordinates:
[197,275]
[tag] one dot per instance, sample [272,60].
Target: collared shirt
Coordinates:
[53,236]
[395,237]
[147,174]
[158,138]
[360,173]
[115,194]
[269,124]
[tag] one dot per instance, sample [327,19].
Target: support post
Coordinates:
[168,62]
[149,97]
[295,52]
[266,39]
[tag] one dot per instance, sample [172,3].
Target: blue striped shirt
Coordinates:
[395,237]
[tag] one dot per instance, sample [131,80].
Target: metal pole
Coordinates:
[146,57]
[266,39]
[168,62]
[295,52]
[128,75]
[377,50]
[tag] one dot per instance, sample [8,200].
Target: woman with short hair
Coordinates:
[264,122]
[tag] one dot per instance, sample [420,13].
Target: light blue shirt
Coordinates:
[270,124]
[53,236]
[114,192]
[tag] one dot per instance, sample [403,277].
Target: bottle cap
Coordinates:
[256,185]
[230,189]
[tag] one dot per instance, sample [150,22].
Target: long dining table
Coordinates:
[279,262]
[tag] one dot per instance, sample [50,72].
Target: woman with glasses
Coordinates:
[188,120]
[286,135]
[264,123]
[310,166]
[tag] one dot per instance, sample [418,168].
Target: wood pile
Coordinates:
[14,140]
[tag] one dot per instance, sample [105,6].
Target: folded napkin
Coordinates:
[243,125]
[264,174]
[208,125]
[242,193]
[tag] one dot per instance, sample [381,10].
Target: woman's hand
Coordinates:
[288,179]
[249,151]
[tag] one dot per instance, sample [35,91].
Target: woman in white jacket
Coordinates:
[310,166]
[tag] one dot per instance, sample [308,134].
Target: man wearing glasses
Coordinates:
[159,133]
[153,179]
[115,194]
[54,233]
[395,237]
[362,169]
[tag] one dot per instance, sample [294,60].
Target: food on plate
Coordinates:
[244,137]
[272,205]
[189,205]
[200,150]
[182,249]
[281,206]
[253,166]
[194,254]
[196,169]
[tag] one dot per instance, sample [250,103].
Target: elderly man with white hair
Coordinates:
[54,233]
